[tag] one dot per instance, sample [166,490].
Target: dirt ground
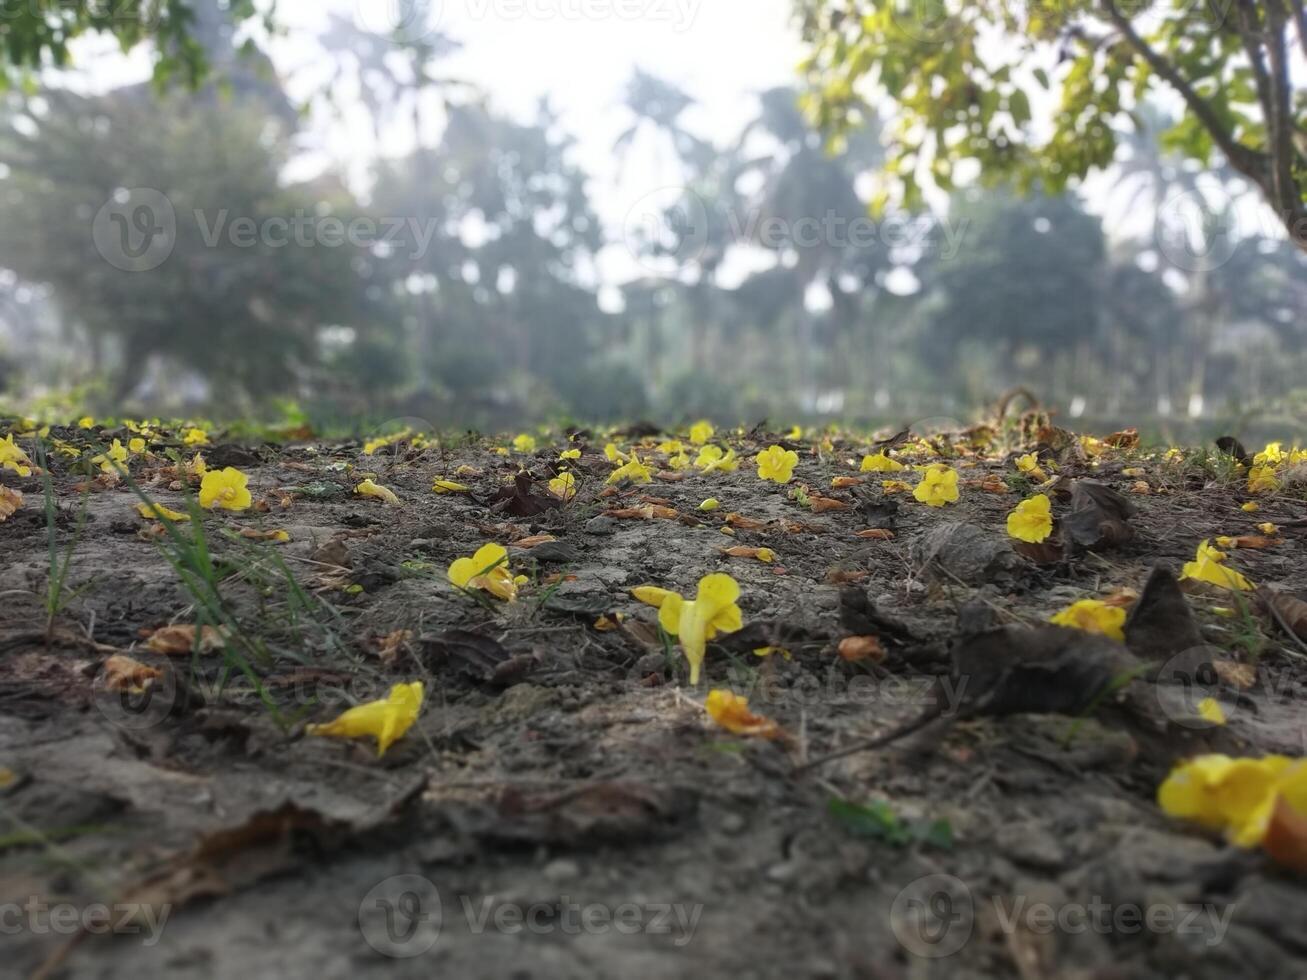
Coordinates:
[563,806]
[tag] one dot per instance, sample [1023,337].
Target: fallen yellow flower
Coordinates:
[701,432]
[694,623]
[370,489]
[225,488]
[634,470]
[1208,567]
[563,486]
[13,458]
[1032,520]
[880,463]
[1234,795]
[158,512]
[487,570]
[525,443]
[1093,616]
[386,720]
[938,486]
[777,464]
[449,486]
[1029,465]
[196,437]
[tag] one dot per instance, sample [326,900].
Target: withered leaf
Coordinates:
[10,501]
[1161,623]
[475,653]
[125,674]
[520,501]
[179,640]
[858,648]
[1099,516]
[1292,610]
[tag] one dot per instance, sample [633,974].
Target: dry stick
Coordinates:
[918,723]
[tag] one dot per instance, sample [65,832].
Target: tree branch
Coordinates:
[1250,163]
[1300,18]
[1280,116]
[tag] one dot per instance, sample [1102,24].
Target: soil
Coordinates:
[567,773]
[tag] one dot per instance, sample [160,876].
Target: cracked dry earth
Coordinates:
[564,807]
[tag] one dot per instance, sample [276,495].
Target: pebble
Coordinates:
[601,525]
[562,869]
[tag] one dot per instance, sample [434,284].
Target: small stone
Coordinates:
[601,525]
[561,870]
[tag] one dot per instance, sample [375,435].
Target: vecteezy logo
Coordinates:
[667,226]
[401,917]
[401,21]
[142,709]
[1195,236]
[135,230]
[933,916]
[1186,681]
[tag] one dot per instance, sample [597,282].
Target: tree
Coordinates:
[964,95]
[37,33]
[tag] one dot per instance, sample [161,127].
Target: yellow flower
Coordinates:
[197,467]
[13,458]
[701,432]
[525,443]
[894,486]
[225,488]
[137,445]
[1262,479]
[796,432]
[880,463]
[671,447]
[1272,455]
[449,486]
[385,720]
[488,570]
[570,454]
[777,464]
[113,459]
[196,437]
[613,454]
[635,471]
[1251,507]
[86,422]
[1234,795]
[1032,520]
[713,460]
[563,486]
[1209,709]
[938,486]
[158,512]
[1269,529]
[712,503]
[370,489]
[1029,465]
[1093,616]
[1207,567]
[651,595]
[694,623]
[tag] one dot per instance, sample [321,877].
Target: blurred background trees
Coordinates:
[459,280]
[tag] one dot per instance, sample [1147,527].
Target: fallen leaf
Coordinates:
[844,482]
[648,512]
[858,648]
[533,540]
[1242,676]
[761,554]
[991,483]
[1291,610]
[391,646]
[179,641]
[1099,516]
[158,512]
[745,523]
[1161,625]
[875,534]
[125,674]
[845,576]
[10,501]
[1252,541]
[1286,837]
[820,505]
[1125,439]
[732,712]
[277,537]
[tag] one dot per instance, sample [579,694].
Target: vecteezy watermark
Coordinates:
[401,21]
[137,230]
[935,915]
[402,917]
[669,229]
[41,918]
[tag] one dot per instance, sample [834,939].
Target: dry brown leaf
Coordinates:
[745,523]
[534,540]
[125,674]
[1141,488]
[669,476]
[1286,837]
[740,551]
[992,483]
[392,645]
[875,534]
[856,648]
[179,641]
[1291,610]
[10,501]
[1242,676]
[1125,439]
[845,576]
[1255,541]
[820,505]
[843,482]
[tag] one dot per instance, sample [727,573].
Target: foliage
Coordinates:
[965,78]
